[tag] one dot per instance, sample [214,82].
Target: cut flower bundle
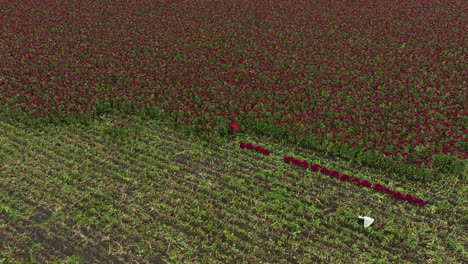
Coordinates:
[258,149]
[336,175]
[364,183]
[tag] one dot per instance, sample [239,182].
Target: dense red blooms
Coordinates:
[403,76]
[398,195]
[258,149]
[324,171]
[389,191]
[410,198]
[419,202]
[366,183]
[378,188]
[355,180]
[314,167]
[345,178]
[335,174]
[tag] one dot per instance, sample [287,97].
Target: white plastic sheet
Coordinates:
[367,220]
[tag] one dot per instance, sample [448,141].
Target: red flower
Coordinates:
[242,144]
[324,171]
[345,178]
[296,162]
[287,159]
[258,149]
[356,180]
[335,174]
[234,127]
[265,152]
[249,146]
[399,196]
[315,167]
[409,198]
[366,184]
[390,191]
[420,202]
[379,188]
[304,164]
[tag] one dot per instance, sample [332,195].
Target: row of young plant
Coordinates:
[338,176]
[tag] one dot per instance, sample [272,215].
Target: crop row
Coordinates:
[250,146]
[355,180]
[336,175]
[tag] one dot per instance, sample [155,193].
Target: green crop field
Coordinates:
[146,193]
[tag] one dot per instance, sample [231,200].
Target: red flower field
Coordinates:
[387,76]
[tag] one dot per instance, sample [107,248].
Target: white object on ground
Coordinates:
[367,220]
